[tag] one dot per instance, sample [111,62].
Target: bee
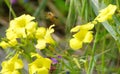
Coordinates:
[51,17]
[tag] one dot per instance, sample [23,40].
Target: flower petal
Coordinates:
[80,35]
[48,36]
[47,63]
[75,44]
[43,70]
[88,38]
[4,45]
[75,29]
[18,64]
[40,33]
[87,26]
[41,44]
[106,13]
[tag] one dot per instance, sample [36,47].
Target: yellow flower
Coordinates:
[40,33]
[40,65]
[43,36]
[4,44]
[23,24]
[48,37]
[41,44]
[10,34]
[9,43]
[106,13]
[12,42]
[11,66]
[31,29]
[83,35]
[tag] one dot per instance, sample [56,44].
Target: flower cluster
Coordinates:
[40,65]
[84,33]
[25,27]
[25,37]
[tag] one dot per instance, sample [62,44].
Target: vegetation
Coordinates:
[59,36]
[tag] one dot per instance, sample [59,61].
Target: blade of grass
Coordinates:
[71,18]
[93,59]
[118,3]
[103,57]
[109,28]
[117,30]
[117,24]
[10,8]
[40,7]
[83,7]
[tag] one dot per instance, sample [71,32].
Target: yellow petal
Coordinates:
[10,34]
[49,39]
[43,70]
[47,63]
[15,72]
[106,13]
[4,45]
[34,66]
[20,21]
[6,66]
[40,33]
[13,42]
[12,65]
[18,64]
[23,20]
[8,72]
[31,27]
[75,29]
[41,44]
[88,38]
[20,32]
[48,36]
[29,17]
[75,44]
[80,35]
[36,55]
[87,26]
[12,24]
[51,30]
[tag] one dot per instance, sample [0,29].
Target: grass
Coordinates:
[100,57]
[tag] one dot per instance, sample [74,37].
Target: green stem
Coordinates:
[117,2]
[103,58]
[9,6]
[93,60]
[118,44]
